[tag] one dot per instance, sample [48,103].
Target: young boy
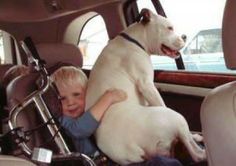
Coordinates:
[79,125]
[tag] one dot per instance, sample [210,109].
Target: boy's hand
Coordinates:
[110,97]
[116,95]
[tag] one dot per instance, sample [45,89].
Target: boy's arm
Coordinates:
[82,127]
[85,125]
[105,101]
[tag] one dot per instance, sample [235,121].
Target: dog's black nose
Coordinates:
[184,37]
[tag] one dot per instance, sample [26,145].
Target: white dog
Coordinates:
[142,126]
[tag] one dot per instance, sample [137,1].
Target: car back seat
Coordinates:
[20,88]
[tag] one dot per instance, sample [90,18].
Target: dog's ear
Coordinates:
[144,16]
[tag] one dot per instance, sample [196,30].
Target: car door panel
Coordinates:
[185,91]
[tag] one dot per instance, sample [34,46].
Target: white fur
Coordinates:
[142,126]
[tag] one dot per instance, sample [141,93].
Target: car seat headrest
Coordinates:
[229,34]
[55,53]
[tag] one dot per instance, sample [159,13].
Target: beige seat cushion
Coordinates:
[14,161]
[218,118]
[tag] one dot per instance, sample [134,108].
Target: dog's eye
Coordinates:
[171,28]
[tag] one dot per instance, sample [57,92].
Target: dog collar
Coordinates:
[127,37]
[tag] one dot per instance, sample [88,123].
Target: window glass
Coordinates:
[204,52]
[201,21]
[158,62]
[93,40]
[2,56]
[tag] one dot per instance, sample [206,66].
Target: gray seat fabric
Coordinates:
[3,69]
[218,110]
[17,91]
[3,99]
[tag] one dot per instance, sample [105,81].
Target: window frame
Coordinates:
[80,34]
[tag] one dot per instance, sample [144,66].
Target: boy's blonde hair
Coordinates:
[68,75]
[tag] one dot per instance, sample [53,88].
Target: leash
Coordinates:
[127,37]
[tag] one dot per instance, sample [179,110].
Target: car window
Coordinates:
[206,41]
[201,22]
[204,52]
[93,40]
[2,56]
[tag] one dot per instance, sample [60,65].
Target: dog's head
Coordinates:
[161,37]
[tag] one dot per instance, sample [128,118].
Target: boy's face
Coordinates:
[72,99]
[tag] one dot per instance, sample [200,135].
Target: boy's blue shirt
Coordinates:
[80,129]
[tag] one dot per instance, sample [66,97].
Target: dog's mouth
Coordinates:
[170,52]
